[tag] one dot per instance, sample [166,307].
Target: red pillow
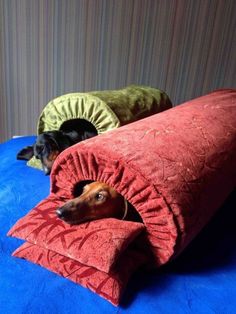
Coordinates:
[96,243]
[109,286]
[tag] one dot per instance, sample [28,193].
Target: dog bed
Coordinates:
[176,168]
[105,110]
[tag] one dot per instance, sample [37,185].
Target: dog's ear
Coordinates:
[78,188]
[26,153]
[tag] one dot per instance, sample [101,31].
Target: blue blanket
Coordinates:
[201,280]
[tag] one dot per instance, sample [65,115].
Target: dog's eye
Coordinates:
[100,197]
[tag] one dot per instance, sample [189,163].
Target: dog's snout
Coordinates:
[65,212]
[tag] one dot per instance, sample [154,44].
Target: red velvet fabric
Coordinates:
[176,168]
[80,243]
[108,285]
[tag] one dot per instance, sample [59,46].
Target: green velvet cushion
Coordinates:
[106,110]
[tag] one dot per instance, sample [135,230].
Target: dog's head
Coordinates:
[51,143]
[97,201]
[47,147]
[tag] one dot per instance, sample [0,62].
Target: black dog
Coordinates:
[50,144]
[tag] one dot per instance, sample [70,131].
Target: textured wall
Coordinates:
[51,47]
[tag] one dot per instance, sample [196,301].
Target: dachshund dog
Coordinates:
[98,200]
[50,144]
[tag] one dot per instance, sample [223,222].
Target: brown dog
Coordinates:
[97,201]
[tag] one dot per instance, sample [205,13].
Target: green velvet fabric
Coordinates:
[106,110]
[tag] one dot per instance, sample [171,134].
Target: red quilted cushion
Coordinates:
[108,285]
[80,243]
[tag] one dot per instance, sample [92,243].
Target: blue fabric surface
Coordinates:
[201,280]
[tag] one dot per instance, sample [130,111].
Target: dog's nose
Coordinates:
[60,213]
[46,170]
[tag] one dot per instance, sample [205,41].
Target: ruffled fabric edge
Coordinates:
[161,226]
[77,106]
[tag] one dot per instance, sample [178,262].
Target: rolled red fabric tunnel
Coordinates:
[176,168]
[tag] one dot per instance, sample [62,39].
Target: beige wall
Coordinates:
[52,47]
